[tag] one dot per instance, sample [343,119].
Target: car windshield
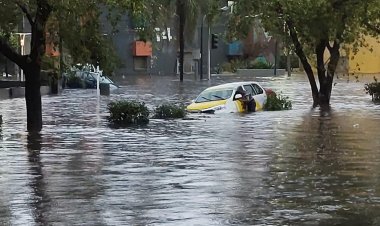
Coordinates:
[213,95]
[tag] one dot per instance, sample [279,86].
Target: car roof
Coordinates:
[232,85]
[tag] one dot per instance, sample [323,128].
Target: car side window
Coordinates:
[249,89]
[258,89]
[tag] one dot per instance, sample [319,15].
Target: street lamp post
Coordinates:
[208,51]
[275,58]
[201,51]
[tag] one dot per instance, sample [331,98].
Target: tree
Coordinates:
[313,27]
[78,23]
[29,63]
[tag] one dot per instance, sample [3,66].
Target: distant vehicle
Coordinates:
[226,98]
[85,77]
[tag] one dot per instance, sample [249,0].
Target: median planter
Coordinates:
[260,72]
[124,113]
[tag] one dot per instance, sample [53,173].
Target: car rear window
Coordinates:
[213,95]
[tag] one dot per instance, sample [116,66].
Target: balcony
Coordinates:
[141,48]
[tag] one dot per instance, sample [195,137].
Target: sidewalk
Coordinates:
[19,92]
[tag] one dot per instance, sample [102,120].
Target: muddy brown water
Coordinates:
[296,167]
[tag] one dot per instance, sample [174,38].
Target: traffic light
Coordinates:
[214,41]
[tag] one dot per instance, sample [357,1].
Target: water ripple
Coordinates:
[297,167]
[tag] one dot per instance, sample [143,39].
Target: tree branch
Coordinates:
[38,29]
[301,54]
[329,47]
[372,27]
[11,54]
[26,12]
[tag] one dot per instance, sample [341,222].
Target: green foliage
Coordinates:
[169,111]
[227,66]
[234,64]
[313,27]
[260,65]
[373,89]
[75,22]
[50,64]
[123,113]
[277,103]
[74,81]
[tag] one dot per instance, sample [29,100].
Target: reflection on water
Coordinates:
[298,167]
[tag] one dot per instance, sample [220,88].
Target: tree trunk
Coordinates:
[320,51]
[305,63]
[33,97]
[288,64]
[6,68]
[31,64]
[326,84]
[181,13]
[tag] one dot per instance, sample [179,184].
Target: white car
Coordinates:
[226,98]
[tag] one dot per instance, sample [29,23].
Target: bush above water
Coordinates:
[169,111]
[124,113]
[373,89]
[277,103]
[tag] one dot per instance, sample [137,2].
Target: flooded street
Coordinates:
[296,167]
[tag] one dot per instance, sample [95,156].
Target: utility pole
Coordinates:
[208,51]
[275,58]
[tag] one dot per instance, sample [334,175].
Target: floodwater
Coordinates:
[296,167]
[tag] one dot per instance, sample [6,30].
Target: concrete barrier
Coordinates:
[104,89]
[16,92]
[9,84]
[45,90]
[4,94]
[19,92]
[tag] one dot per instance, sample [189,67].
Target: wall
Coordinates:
[163,60]
[366,61]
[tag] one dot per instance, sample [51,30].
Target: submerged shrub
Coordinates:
[373,89]
[1,119]
[169,111]
[124,113]
[277,103]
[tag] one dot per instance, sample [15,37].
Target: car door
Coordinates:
[260,96]
[258,99]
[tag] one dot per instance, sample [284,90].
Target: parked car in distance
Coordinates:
[226,98]
[85,77]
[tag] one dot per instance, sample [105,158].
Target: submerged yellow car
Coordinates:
[229,98]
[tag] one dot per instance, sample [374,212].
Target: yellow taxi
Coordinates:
[229,98]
